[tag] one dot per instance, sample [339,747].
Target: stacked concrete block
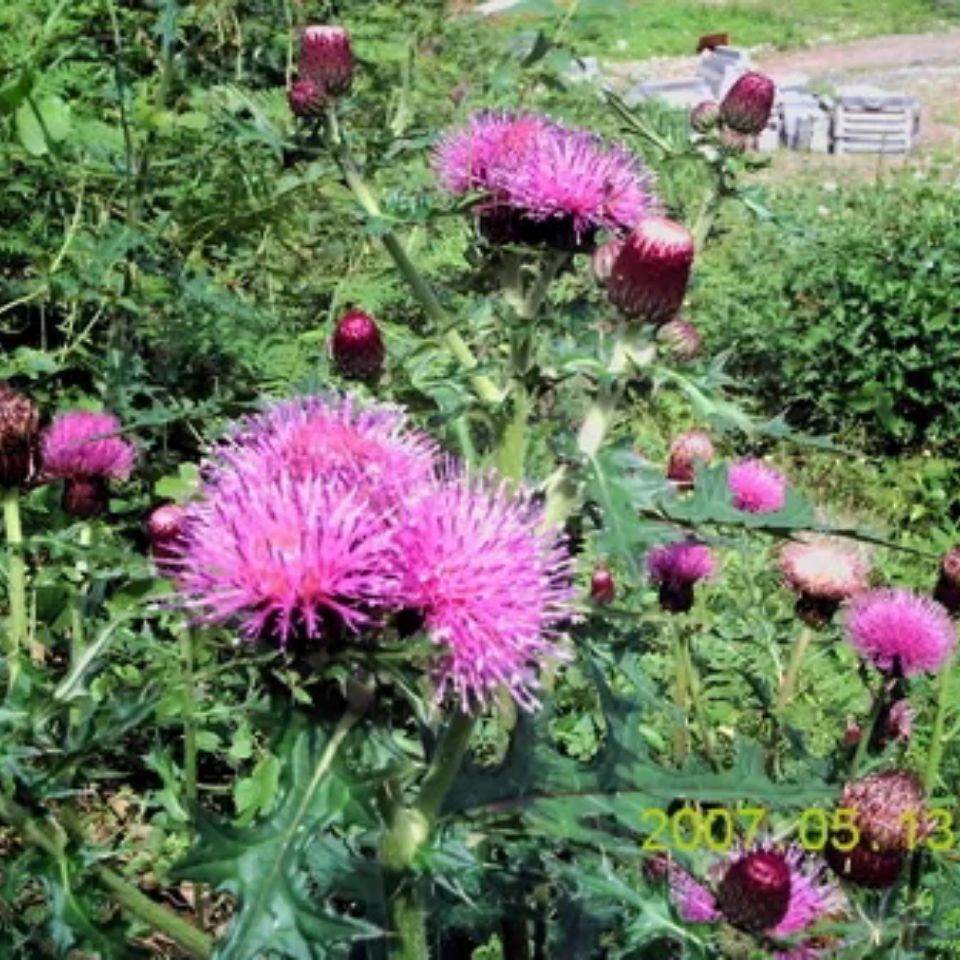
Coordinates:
[721,67]
[807,121]
[871,120]
[681,94]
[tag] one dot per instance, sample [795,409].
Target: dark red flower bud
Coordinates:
[165,530]
[85,497]
[19,431]
[947,590]
[746,107]
[852,734]
[603,589]
[357,346]
[705,116]
[864,866]
[327,58]
[754,894]
[650,274]
[681,338]
[306,98]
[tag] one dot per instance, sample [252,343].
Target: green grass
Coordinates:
[638,29]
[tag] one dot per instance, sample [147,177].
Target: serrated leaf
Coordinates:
[265,865]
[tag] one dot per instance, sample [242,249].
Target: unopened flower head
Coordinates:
[763,890]
[283,556]
[756,487]
[747,106]
[649,277]
[900,630]
[357,346]
[165,528]
[705,116]
[493,587]
[19,431]
[326,57]
[681,339]
[947,589]
[84,444]
[602,259]
[686,451]
[866,867]
[675,568]
[306,98]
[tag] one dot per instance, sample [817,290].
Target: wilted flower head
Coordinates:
[84,444]
[650,275]
[492,587]
[763,890]
[746,107]
[675,568]
[757,487]
[897,628]
[357,346]
[326,58]
[888,809]
[686,451]
[822,573]
[19,427]
[900,721]
[306,98]
[681,339]
[546,183]
[602,259]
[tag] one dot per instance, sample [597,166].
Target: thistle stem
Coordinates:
[937,739]
[789,683]
[18,625]
[681,695]
[483,385]
[866,736]
[189,725]
[77,642]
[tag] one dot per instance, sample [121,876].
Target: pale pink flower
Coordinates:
[824,569]
[899,628]
[756,487]
[687,450]
[492,586]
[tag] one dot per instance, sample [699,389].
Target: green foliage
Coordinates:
[843,313]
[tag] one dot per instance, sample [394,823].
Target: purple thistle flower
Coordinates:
[769,891]
[889,627]
[84,444]
[547,183]
[756,487]
[306,98]
[326,57]
[285,556]
[492,586]
[333,437]
[675,568]
[747,106]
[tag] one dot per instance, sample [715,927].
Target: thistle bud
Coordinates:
[947,590]
[603,589]
[85,497]
[326,57]
[746,107]
[306,98]
[681,338]
[865,867]
[686,451]
[650,274]
[754,894]
[357,346]
[601,262]
[165,529]
[705,116]
[889,810]
[19,429]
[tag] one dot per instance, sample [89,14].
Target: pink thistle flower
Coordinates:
[326,57]
[335,438]
[897,628]
[686,451]
[675,568]
[756,487]
[747,106]
[19,431]
[649,277]
[306,98]
[287,557]
[764,890]
[84,444]
[492,586]
[548,184]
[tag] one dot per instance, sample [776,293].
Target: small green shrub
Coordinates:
[846,311]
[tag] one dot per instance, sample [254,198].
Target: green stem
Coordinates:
[699,715]
[789,683]
[681,694]
[189,726]
[77,643]
[708,213]
[866,736]
[937,739]
[444,765]
[409,921]
[18,624]
[485,388]
[50,839]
